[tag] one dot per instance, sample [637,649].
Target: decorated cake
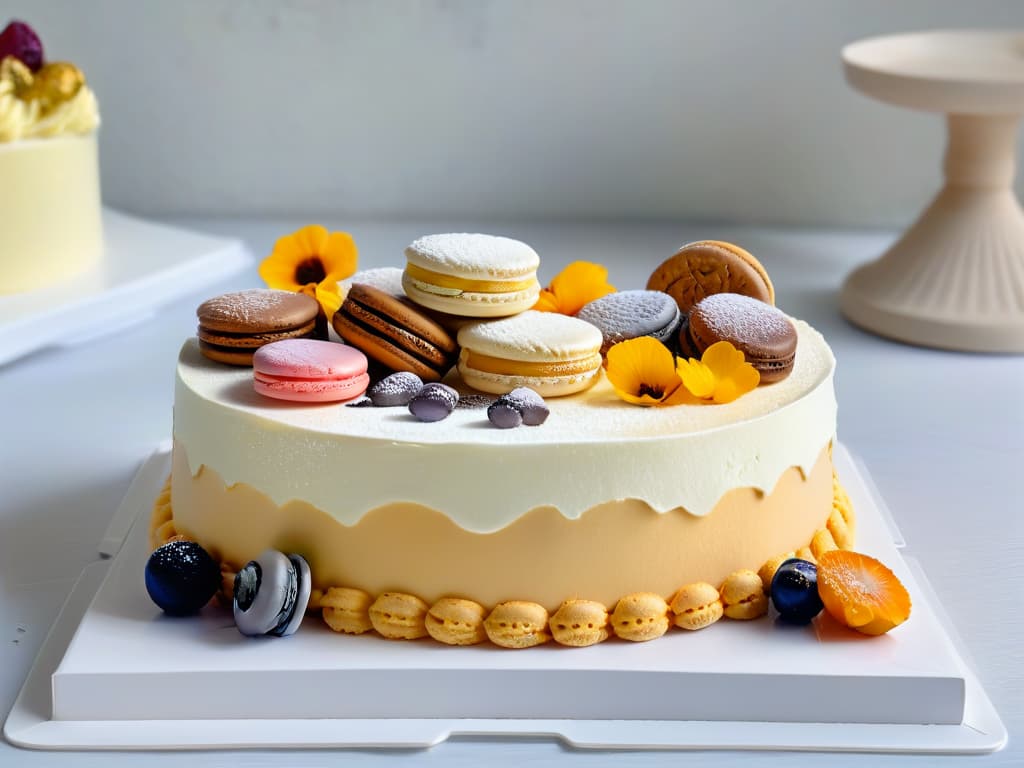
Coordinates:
[473,458]
[49,170]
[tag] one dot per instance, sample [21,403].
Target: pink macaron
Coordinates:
[309,371]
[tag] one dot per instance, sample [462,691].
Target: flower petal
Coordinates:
[546,302]
[329,296]
[642,371]
[733,375]
[311,240]
[579,283]
[278,273]
[744,378]
[339,255]
[682,396]
[722,358]
[697,377]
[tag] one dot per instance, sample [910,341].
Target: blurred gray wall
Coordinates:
[728,111]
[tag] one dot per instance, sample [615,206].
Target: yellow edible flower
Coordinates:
[643,372]
[721,375]
[312,261]
[579,283]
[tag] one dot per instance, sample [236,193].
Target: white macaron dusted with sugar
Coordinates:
[552,354]
[471,275]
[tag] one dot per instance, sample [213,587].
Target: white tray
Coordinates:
[144,266]
[196,683]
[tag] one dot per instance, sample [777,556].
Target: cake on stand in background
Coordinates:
[50,218]
[71,270]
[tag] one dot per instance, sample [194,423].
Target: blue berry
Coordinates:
[795,591]
[181,577]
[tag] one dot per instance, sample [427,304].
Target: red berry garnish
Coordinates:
[20,41]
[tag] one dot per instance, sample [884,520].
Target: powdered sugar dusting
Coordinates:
[308,358]
[733,316]
[473,255]
[387,279]
[396,389]
[533,336]
[629,314]
[249,307]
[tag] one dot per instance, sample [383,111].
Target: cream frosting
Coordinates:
[79,114]
[16,116]
[594,447]
[21,119]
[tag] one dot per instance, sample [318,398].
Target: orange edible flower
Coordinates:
[642,371]
[721,375]
[312,261]
[579,283]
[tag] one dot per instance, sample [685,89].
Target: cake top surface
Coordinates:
[596,415]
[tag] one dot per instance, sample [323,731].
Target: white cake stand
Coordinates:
[956,278]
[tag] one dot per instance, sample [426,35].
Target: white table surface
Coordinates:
[941,433]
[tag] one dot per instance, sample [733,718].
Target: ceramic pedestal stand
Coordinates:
[956,278]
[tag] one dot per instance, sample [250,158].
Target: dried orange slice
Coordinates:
[861,592]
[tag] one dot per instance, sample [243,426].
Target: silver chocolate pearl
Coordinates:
[271,594]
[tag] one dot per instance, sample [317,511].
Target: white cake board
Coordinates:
[144,266]
[145,681]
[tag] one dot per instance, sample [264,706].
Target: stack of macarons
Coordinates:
[485,286]
[466,300]
[395,333]
[234,325]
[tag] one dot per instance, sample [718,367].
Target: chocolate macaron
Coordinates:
[234,325]
[708,267]
[394,333]
[764,334]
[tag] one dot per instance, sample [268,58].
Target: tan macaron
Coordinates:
[347,610]
[579,623]
[743,595]
[708,267]
[455,621]
[696,606]
[552,354]
[398,616]
[517,624]
[640,616]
